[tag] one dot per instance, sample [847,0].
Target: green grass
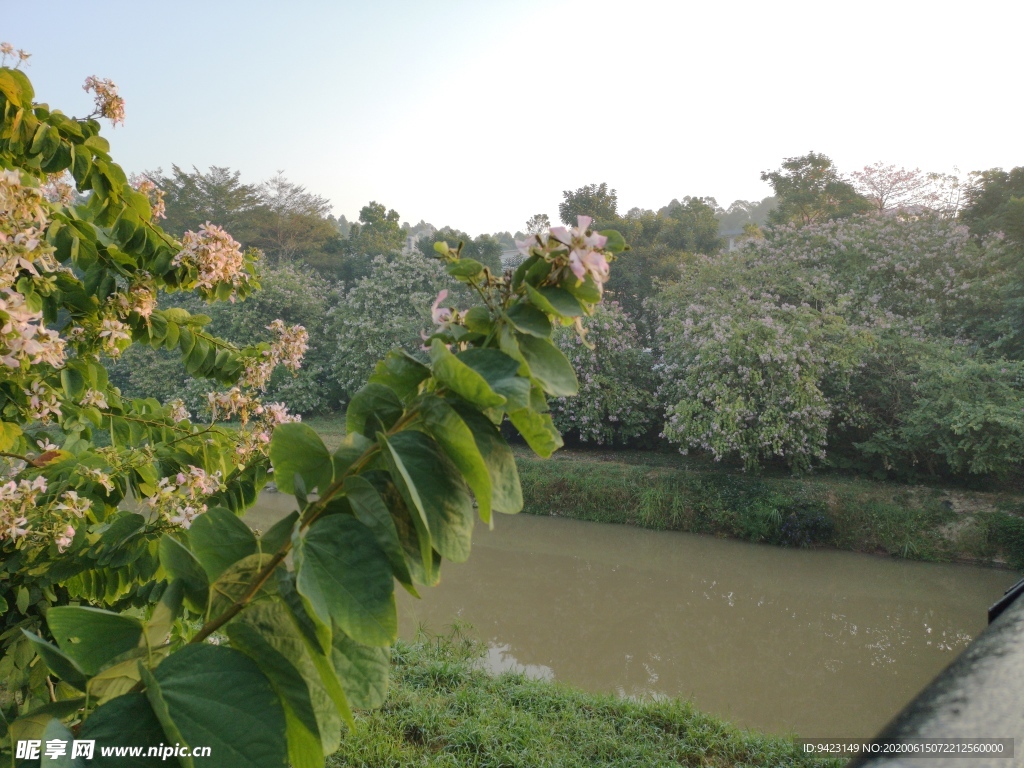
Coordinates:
[443,710]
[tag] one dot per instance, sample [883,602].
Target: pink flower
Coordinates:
[441,315]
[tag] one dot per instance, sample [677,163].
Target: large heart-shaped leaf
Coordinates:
[548,366]
[343,575]
[452,434]
[91,636]
[363,671]
[375,403]
[217,697]
[506,491]
[432,485]
[461,378]
[269,635]
[219,538]
[297,449]
[371,511]
[127,720]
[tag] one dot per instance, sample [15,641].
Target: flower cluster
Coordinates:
[43,402]
[153,193]
[256,439]
[178,410]
[59,188]
[114,336]
[216,258]
[580,248]
[180,500]
[287,349]
[17,500]
[24,516]
[225,405]
[23,339]
[108,103]
[6,49]
[23,223]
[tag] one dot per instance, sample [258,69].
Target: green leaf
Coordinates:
[10,87]
[352,448]
[317,636]
[279,533]
[500,371]
[186,342]
[478,319]
[180,563]
[122,721]
[297,449]
[554,301]
[465,268]
[57,731]
[32,725]
[219,538]
[375,403]
[237,580]
[117,679]
[9,434]
[432,485]
[165,614]
[91,636]
[528,319]
[217,697]
[506,491]
[615,243]
[267,632]
[452,434]
[400,372]
[363,671]
[344,576]
[549,366]
[461,379]
[538,431]
[370,510]
[61,665]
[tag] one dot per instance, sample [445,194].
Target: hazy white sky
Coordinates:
[478,114]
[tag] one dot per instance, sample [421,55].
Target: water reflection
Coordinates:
[815,642]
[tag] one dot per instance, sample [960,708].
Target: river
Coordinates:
[812,642]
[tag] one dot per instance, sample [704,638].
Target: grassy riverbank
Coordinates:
[658,491]
[442,710]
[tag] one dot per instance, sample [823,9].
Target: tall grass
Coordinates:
[444,711]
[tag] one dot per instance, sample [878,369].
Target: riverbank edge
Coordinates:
[885,518]
[443,709]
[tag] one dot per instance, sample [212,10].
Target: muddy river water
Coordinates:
[812,642]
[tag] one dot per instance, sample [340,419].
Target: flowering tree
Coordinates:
[388,308]
[890,188]
[167,620]
[618,380]
[772,348]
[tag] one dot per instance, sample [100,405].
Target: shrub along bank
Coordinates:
[444,710]
[653,491]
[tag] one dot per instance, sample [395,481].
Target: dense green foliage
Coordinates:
[444,711]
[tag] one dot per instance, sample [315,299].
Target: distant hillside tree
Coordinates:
[594,200]
[810,189]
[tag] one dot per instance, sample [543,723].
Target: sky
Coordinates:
[480,114]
